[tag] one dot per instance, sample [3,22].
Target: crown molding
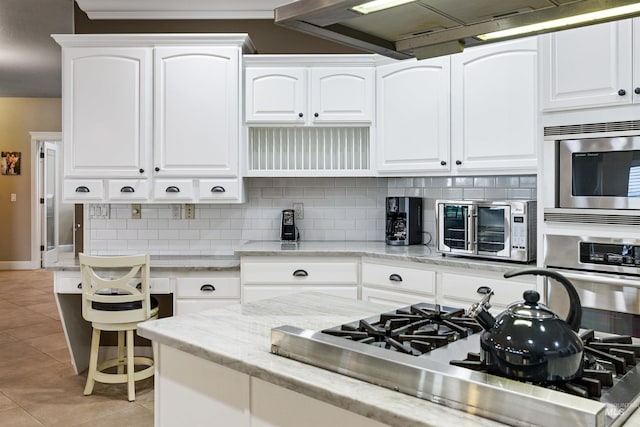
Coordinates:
[172,9]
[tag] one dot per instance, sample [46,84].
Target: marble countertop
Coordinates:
[158,262]
[239,337]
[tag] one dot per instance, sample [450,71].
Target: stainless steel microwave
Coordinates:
[503,230]
[599,173]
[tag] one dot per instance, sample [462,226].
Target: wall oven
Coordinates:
[503,230]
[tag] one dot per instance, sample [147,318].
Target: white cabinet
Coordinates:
[200,291]
[397,282]
[271,276]
[494,108]
[591,66]
[309,90]
[151,107]
[412,99]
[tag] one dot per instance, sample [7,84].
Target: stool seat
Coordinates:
[117,304]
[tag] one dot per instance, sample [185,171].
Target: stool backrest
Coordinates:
[118,282]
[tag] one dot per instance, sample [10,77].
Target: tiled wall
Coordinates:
[334,209]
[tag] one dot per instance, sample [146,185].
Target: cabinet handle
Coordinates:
[141,170]
[484,290]
[637,91]
[139,286]
[80,285]
[443,163]
[622,92]
[207,287]
[300,273]
[172,189]
[82,189]
[300,115]
[458,162]
[395,277]
[157,169]
[316,115]
[218,189]
[127,189]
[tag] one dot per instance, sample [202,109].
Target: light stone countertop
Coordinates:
[239,337]
[168,262]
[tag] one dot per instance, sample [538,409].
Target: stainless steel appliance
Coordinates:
[427,28]
[605,272]
[432,352]
[490,229]
[288,229]
[403,221]
[599,173]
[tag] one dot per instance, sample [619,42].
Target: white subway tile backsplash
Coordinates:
[334,208]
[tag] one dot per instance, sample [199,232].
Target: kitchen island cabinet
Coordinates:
[253,387]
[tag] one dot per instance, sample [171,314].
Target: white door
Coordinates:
[49,203]
[276,95]
[342,95]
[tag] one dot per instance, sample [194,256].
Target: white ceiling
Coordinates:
[29,57]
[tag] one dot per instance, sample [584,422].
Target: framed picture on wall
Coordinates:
[10,162]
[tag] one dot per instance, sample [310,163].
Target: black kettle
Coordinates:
[528,341]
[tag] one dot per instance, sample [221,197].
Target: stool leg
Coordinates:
[93,361]
[130,367]
[121,352]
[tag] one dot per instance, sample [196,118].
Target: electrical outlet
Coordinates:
[299,210]
[189,211]
[176,212]
[136,211]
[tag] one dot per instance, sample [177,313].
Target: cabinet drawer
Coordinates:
[83,189]
[458,287]
[128,189]
[221,189]
[72,284]
[173,189]
[274,271]
[208,287]
[399,278]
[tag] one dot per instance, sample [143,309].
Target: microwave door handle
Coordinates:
[470,231]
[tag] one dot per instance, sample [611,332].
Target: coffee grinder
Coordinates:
[403,221]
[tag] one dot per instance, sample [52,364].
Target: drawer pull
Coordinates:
[82,189]
[172,189]
[139,286]
[484,290]
[207,287]
[218,189]
[300,273]
[80,285]
[395,278]
[127,189]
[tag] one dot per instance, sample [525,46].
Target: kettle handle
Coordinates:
[574,318]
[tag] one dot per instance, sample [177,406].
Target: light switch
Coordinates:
[13,197]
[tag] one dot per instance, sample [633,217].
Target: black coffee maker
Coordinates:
[403,221]
[288,229]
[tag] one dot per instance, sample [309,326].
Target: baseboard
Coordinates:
[20,265]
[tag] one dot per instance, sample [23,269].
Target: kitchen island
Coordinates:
[215,368]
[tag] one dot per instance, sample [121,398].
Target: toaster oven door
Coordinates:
[456,228]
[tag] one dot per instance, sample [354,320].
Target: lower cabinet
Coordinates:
[397,282]
[200,291]
[270,276]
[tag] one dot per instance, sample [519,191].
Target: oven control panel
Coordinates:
[609,254]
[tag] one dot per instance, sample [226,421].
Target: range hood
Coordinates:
[429,28]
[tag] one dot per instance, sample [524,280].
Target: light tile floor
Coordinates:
[37,384]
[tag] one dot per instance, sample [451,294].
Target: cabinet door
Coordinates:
[342,95]
[413,116]
[636,61]
[196,111]
[275,95]
[494,108]
[106,107]
[587,66]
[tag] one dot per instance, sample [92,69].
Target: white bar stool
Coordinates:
[117,304]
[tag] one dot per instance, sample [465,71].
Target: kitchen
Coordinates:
[444,181]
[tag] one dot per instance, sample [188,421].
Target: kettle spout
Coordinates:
[480,312]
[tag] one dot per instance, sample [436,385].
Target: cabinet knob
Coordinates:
[395,277]
[622,92]
[207,287]
[157,169]
[300,273]
[218,189]
[637,91]
[316,114]
[458,162]
[141,170]
[82,189]
[172,189]
[484,290]
[300,115]
[127,189]
[443,163]
[139,286]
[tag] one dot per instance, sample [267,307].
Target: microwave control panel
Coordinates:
[518,232]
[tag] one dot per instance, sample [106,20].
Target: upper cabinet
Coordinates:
[309,90]
[413,116]
[494,108]
[591,66]
[152,116]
